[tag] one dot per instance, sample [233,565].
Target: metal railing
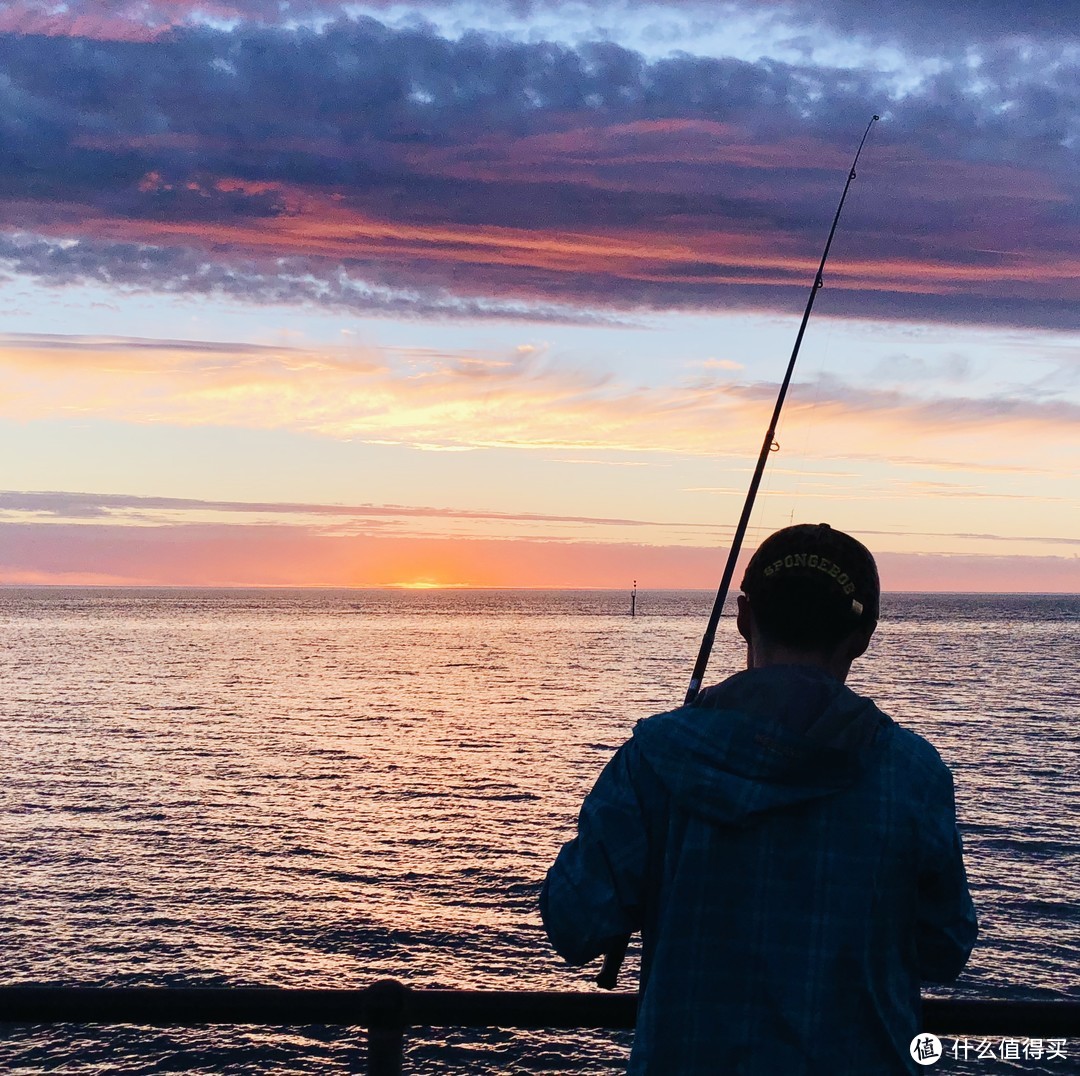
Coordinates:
[387,1008]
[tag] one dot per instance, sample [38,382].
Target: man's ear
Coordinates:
[744,617]
[856,643]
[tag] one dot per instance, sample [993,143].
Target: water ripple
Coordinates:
[297,788]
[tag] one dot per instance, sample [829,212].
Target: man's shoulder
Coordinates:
[665,719]
[913,751]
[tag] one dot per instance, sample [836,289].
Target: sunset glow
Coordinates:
[509,308]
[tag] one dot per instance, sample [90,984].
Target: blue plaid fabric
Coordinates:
[791,858]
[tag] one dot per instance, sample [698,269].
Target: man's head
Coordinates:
[813,591]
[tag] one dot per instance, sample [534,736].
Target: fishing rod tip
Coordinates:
[876,118]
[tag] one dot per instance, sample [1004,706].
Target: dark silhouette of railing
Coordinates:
[387,1008]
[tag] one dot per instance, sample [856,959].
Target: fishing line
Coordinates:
[614,957]
[807,426]
[820,362]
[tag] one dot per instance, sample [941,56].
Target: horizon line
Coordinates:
[399,587]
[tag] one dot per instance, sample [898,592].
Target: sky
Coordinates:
[500,294]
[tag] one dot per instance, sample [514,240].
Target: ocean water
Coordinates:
[322,788]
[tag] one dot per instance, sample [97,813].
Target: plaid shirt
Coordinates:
[791,858]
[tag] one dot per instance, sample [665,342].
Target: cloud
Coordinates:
[948,411]
[375,169]
[521,398]
[1057,540]
[830,399]
[720,364]
[67,505]
[294,281]
[239,555]
[923,489]
[118,508]
[928,25]
[920,22]
[937,463]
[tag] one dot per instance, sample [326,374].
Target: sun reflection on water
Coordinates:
[324,788]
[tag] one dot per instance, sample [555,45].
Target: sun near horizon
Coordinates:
[324,562]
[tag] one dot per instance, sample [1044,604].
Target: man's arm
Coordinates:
[947,928]
[593,893]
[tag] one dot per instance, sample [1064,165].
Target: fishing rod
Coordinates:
[613,959]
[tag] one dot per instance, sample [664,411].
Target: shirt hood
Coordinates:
[762,740]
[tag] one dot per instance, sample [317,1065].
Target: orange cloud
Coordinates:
[282,556]
[515,399]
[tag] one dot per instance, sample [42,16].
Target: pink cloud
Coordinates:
[526,172]
[238,555]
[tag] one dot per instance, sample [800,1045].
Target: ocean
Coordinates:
[323,788]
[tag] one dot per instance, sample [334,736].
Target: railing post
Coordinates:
[387,1017]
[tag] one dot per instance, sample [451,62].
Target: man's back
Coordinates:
[791,857]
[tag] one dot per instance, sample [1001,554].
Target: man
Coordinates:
[788,852]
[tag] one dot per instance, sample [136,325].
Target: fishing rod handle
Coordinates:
[613,959]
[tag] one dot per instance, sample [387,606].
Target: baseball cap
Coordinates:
[811,583]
